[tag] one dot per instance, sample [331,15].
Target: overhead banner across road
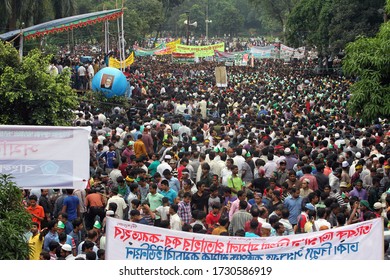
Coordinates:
[44,156]
[200,51]
[131,241]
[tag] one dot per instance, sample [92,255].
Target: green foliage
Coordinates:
[330,24]
[29,94]
[352,19]
[369,60]
[149,13]
[230,20]
[64,8]
[274,14]
[14,221]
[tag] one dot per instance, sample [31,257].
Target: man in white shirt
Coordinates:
[174,219]
[239,160]
[164,165]
[82,72]
[321,223]
[91,74]
[120,202]
[270,167]
[334,179]
[284,220]
[226,172]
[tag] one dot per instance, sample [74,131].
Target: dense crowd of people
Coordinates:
[274,153]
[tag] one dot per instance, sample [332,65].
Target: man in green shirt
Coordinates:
[152,169]
[235,182]
[155,200]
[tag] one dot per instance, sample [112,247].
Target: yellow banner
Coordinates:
[118,64]
[200,51]
[169,48]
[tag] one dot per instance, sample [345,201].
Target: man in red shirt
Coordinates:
[37,212]
[213,216]
[123,166]
[183,165]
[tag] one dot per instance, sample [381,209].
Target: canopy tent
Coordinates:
[62,24]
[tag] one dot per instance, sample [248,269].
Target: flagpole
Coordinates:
[123,40]
[119,44]
[105,35]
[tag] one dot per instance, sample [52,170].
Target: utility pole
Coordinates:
[188,27]
[207,22]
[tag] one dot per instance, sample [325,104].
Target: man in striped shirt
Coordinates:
[239,218]
[184,210]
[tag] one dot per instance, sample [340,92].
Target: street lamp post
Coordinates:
[207,30]
[207,22]
[188,28]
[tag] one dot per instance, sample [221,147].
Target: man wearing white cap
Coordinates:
[290,159]
[378,209]
[345,173]
[164,165]
[358,156]
[66,252]
[266,230]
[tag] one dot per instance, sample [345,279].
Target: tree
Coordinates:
[29,94]
[329,25]
[275,11]
[14,221]
[368,59]
[30,12]
[64,8]
[230,21]
[308,25]
[150,13]
[351,19]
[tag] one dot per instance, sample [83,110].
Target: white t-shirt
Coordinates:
[163,212]
[175,222]
[91,72]
[82,71]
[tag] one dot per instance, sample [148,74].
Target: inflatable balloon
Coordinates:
[111,81]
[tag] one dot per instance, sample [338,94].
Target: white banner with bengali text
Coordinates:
[45,156]
[131,241]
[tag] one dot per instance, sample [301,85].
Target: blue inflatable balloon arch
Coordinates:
[111,81]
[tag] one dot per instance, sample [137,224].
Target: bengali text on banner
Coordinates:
[44,156]
[132,241]
[200,51]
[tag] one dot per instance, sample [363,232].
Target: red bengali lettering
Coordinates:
[328,236]
[198,245]
[311,241]
[154,238]
[298,242]
[172,241]
[187,245]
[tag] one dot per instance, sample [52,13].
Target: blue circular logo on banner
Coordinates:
[111,81]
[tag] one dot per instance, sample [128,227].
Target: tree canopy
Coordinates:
[14,222]
[330,24]
[368,59]
[30,95]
